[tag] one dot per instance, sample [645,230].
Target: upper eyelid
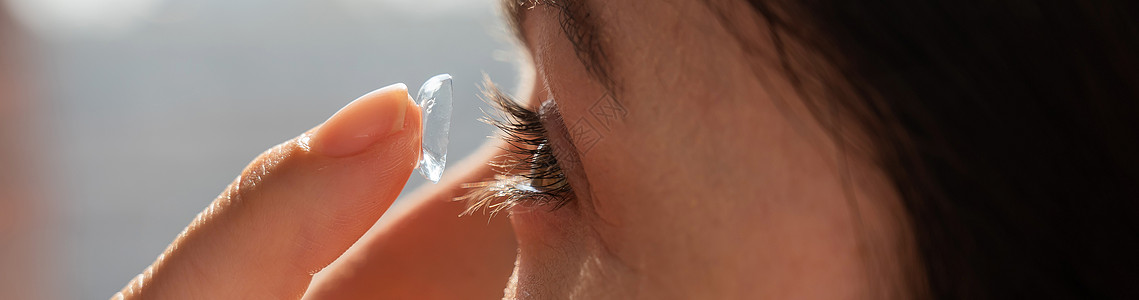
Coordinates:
[514,14]
[516,11]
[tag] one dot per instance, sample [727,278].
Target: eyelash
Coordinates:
[529,174]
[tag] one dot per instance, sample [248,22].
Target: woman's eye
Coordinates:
[531,174]
[545,173]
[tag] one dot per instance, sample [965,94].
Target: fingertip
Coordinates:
[363,122]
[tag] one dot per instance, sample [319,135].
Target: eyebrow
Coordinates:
[579,25]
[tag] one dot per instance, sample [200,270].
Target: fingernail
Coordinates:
[363,122]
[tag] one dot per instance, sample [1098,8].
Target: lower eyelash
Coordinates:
[530,173]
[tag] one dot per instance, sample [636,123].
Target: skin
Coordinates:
[738,198]
[713,182]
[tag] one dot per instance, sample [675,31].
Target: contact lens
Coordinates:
[434,100]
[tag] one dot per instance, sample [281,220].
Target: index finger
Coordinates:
[295,208]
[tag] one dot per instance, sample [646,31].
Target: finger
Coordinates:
[295,208]
[422,250]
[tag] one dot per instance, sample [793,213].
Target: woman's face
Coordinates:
[698,172]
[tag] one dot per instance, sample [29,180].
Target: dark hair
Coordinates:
[1010,129]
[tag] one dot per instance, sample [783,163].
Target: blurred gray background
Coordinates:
[153,107]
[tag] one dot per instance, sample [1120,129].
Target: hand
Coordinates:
[420,249]
[295,209]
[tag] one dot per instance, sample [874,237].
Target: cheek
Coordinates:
[675,163]
[558,256]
